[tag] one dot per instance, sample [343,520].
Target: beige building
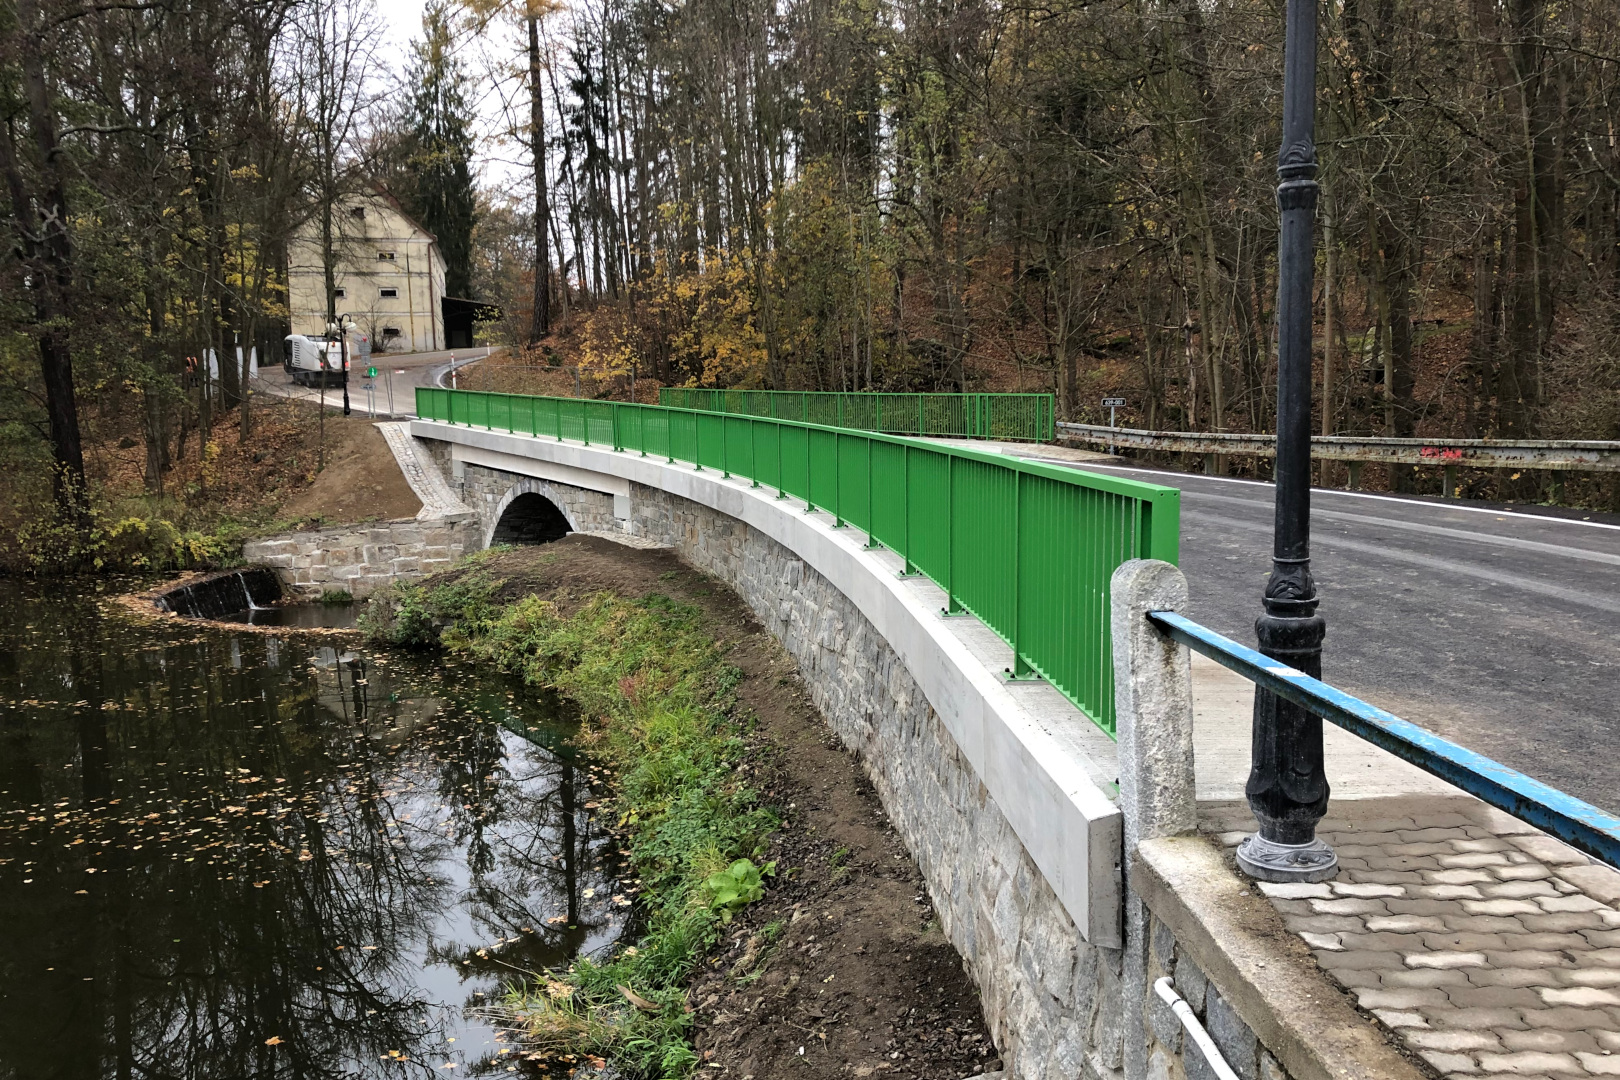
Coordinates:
[390,275]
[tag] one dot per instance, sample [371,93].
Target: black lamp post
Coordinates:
[1287,788]
[343,349]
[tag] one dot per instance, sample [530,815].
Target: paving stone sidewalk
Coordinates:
[438,501]
[1486,946]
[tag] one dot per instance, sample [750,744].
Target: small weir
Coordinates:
[251,596]
[227,854]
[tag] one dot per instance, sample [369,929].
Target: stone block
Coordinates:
[1528,1063]
[1410,998]
[1190,981]
[1549,850]
[1597,881]
[1405,924]
[1580,997]
[1394,1018]
[1475,1019]
[1567,1018]
[1163,1024]
[1445,960]
[1237,1043]
[1599,1064]
[1548,1041]
[1429,977]
[1449,1063]
[1454,1042]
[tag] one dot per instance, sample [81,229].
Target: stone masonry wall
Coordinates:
[360,559]
[487,491]
[1171,1054]
[1052,1001]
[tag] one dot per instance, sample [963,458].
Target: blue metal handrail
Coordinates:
[1577,823]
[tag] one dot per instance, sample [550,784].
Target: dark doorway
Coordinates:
[530,519]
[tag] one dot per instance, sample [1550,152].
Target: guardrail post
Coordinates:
[1355,477]
[1451,481]
[1153,712]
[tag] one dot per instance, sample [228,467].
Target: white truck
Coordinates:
[313,360]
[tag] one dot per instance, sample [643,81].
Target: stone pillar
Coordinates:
[1154,716]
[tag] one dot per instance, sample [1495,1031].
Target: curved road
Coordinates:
[407,372]
[1497,628]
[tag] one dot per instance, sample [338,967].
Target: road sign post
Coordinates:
[1112,403]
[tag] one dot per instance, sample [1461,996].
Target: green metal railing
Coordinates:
[1027,417]
[1028,548]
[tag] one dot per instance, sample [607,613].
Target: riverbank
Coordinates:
[839,968]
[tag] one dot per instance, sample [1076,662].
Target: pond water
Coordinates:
[299,616]
[229,854]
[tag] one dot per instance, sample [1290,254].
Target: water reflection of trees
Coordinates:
[234,858]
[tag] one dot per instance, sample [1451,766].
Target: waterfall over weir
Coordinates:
[222,594]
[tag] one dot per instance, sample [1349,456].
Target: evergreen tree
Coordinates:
[440,191]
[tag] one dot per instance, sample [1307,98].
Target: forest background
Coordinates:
[811,194]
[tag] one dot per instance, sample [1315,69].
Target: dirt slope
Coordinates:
[361,480]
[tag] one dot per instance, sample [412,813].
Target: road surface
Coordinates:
[406,372]
[1498,629]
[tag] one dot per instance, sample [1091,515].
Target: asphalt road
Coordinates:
[1498,629]
[406,372]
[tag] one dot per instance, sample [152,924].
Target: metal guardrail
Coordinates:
[1577,823]
[1017,417]
[1028,548]
[1593,455]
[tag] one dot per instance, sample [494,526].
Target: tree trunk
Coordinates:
[540,324]
[41,220]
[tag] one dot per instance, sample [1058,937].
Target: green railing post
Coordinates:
[781,469]
[905,509]
[838,478]
[753,452]
[951,606]
[871,522]
[725,445]
[1020,670]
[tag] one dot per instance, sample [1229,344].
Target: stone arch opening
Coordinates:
[530,519]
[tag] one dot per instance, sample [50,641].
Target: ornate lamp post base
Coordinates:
[1266,860]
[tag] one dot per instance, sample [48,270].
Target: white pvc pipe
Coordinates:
[1184,1013]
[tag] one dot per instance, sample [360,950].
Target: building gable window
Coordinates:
[385,256]
[340,293]
[388,294]
[390,332]
[359,212]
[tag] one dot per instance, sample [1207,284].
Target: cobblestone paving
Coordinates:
[1488,947]
[438,501]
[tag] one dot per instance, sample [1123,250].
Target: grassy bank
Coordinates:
[659,709]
